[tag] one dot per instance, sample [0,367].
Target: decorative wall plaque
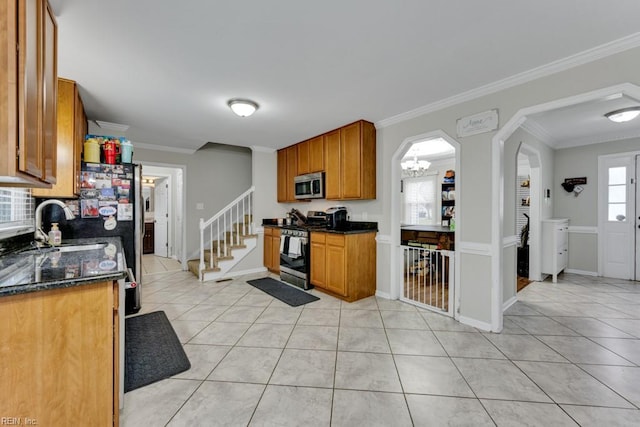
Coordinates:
[477,123]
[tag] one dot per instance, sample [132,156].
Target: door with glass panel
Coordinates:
[618,217]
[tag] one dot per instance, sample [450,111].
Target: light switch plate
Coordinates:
[199,206]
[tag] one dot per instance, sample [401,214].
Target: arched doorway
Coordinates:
[429,213]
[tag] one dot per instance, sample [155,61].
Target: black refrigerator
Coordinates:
[109,206]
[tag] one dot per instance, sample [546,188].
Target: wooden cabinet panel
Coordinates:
[59,351]
[350,162]
[311,155]
[287,170]
[316,154]
[271,256]
[282,175]
[28,74]
[318,260]
[303,157]
[332,167]
[29,86]
[351,153]
[336,263]
[71,130]
[292,171]
[148,243]
[344,265]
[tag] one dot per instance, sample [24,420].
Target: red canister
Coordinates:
[110,150]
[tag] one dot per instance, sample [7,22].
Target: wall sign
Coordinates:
[477,123]
[576,181]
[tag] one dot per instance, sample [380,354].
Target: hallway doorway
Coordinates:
[163,189]
[425,221]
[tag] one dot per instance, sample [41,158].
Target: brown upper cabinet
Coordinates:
[287,170]
[28,93]
[311,155]
[347,155]
[72,128]
[350,154]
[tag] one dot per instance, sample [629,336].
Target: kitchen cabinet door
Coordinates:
[282,175]
[30,86]
[350,162]
[271,256]
[292,171]
[318,260]
[50,95]
[336,270]
[71,130]
[316,154]
[332,167]
[28,82]
[60,355]
[303,157]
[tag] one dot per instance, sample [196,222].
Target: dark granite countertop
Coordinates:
[352,227]
[436,228]
[31,270]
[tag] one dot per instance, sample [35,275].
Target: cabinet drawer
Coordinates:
[335,240]
[268,231]
[318,237]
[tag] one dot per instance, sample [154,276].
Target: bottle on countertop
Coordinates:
[55,235]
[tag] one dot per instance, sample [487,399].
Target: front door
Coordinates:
[617,213]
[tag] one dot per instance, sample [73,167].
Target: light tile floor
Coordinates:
[152,264]
[569,355]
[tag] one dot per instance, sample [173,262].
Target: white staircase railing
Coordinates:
[220,228]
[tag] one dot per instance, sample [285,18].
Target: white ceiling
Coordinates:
[168,68]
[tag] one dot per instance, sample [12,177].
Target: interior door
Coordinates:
[637,219]
[161,217]
[617,216]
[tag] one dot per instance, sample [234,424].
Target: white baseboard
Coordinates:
[582,272]
[475,323]
[384,295]
[232,274]
[509,303]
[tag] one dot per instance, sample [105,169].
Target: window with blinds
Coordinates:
[16,211]
[419,200]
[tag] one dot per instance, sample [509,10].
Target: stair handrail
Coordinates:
[222,214]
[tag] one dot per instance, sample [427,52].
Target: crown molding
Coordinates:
[261,149]
[163,148]
[584,57]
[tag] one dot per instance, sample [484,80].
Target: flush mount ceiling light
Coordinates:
[242,107]
[623,115]
[415,167]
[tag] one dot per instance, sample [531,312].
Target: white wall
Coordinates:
[215,175]
[480,257]
[582,211]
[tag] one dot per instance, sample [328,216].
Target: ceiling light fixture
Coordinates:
[623,115]
[415,167]
[242,107]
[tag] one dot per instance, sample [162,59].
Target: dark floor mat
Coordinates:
[152,350]
[283,292]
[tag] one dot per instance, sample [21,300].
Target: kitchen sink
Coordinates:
[69,247]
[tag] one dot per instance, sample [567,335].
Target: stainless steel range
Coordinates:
[295,250]
[294,256]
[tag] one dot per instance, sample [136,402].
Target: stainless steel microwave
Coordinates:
[309,186]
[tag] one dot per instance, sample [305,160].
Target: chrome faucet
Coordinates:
[40,236]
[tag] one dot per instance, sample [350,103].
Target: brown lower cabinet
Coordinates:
[148,243]
[344,265]
[272,249]
[59,350]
